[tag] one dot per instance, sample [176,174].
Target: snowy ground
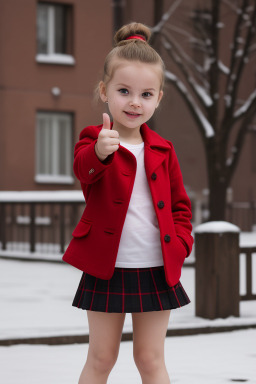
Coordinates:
[36,297]
[205,359]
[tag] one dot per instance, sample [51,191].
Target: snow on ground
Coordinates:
[204,359]
[36,298]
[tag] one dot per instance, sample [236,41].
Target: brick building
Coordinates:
[52,54]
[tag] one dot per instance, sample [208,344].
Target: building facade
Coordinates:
[52,54]
[51,57]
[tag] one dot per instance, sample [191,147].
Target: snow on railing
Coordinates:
[41,196]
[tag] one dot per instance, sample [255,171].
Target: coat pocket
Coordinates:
[183,244]
[82,229]
[181,250]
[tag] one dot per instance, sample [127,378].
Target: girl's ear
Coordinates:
[159,98]
[103,91]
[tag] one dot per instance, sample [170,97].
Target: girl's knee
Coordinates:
[148,361]
[102,361]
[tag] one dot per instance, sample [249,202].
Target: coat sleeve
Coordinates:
[181,204]
[87,166]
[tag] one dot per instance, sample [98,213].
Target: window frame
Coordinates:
[54,150]
[51,57]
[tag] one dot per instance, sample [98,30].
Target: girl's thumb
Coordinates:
[106,121]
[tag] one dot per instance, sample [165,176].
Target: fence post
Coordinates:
[62,227]
[3,225]
[217,270]
[32,228]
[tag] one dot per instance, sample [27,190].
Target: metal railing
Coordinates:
[36,227]
[41,229]
[242,214]
[248,251]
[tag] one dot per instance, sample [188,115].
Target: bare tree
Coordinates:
[209,79]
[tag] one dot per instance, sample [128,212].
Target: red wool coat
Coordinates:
[107,188]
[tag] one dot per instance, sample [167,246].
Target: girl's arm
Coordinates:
[181,204]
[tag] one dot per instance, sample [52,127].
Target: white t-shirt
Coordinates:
[140,245]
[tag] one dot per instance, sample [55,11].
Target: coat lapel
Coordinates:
[155,149]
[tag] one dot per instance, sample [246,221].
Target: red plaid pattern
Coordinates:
[130,290]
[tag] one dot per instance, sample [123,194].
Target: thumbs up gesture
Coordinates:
[108,140]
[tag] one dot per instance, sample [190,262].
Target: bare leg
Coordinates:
[149,331]
[105,331]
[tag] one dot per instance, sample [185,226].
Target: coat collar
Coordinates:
[151,138]
[154,145]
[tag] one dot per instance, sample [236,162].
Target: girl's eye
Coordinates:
[146,94]
[124,91]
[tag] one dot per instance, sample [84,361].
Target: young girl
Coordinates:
[135,231]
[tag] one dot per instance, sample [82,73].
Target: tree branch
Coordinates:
[242,62]
[214,73]
[192,64]
[249,105]
[201,31]
[205,127]
[252,49]
[223,68]
[186,34]
[237,148]
[200,92]
[166,16]
[232,6]
[234,50]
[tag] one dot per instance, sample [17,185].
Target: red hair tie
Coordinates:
[136,37]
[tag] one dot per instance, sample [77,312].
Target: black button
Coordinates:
[160,204]
[153,176]
[167,238]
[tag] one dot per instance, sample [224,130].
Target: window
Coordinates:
[54,33]
[54,148]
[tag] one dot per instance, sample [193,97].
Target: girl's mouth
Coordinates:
[132,115]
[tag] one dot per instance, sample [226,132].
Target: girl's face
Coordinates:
[133,93]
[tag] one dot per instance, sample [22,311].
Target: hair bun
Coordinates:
[131,30]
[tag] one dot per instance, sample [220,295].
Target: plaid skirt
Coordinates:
[129,290]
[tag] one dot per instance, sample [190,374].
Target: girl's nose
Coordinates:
[135,102]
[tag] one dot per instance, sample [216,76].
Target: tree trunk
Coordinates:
[158,10]
[217,198]
[118,14]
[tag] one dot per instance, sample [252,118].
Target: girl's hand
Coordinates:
[108,140]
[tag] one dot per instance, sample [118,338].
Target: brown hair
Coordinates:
[132,50]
